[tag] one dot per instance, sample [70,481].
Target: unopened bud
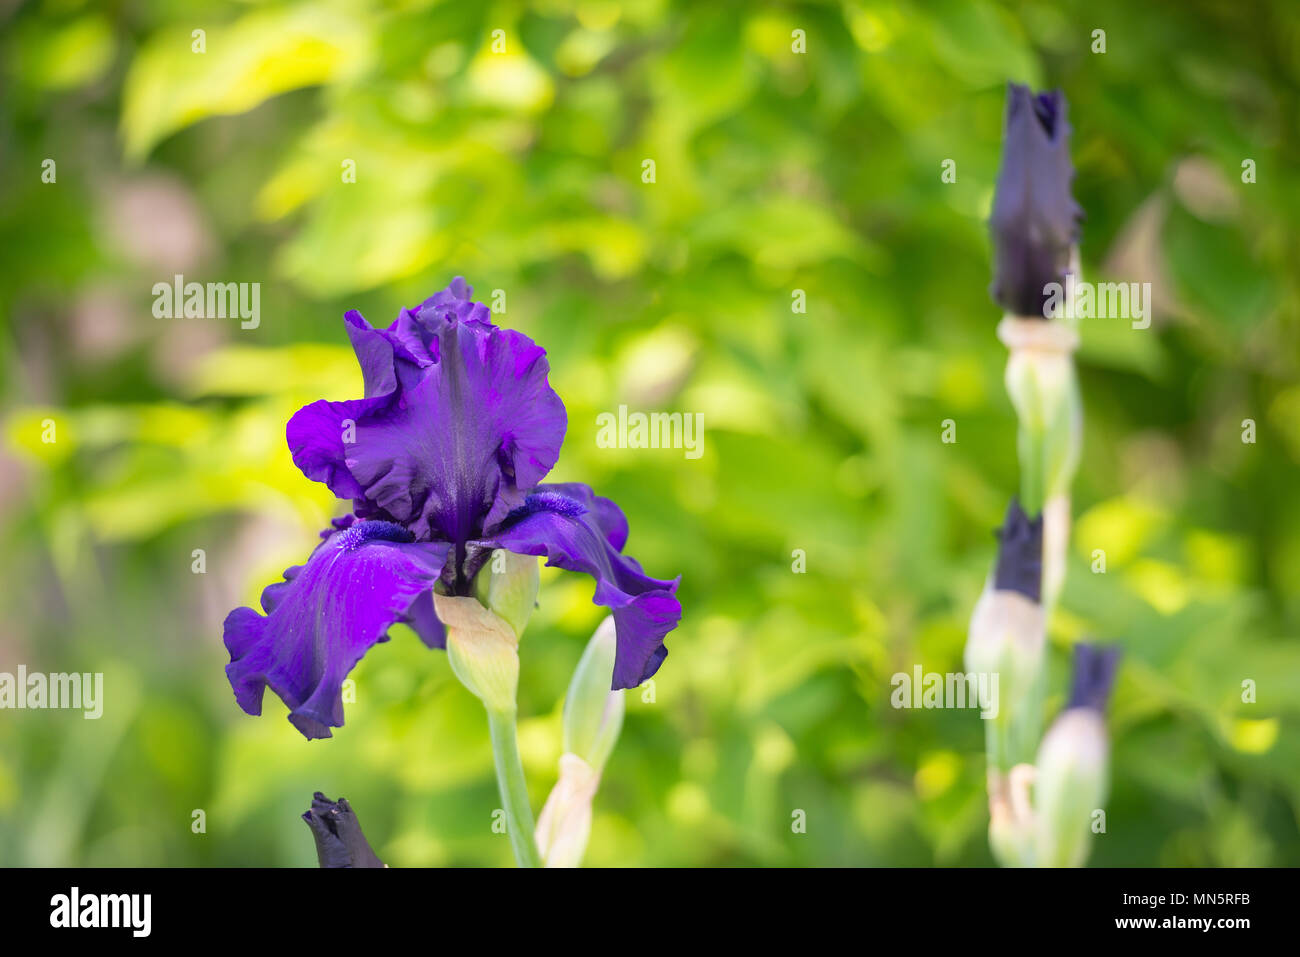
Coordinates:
[593,714]
[507,585]
[1035,220]
[593,718]
[1072,777]
[1007,637]
[339,841]
[483,650]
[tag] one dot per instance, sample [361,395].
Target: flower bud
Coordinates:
[593,714]
[1072,777]
[1007,637]
[593,718]
[339,841]
[1035,220]
[507,585]
[483,650]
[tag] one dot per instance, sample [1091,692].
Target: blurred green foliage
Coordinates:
[774,171]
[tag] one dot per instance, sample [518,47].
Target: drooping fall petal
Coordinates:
[324,617]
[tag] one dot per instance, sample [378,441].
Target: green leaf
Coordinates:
[171,85]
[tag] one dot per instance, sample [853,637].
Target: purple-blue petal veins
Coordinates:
[1020,554]
[1035,220]
[1093,676]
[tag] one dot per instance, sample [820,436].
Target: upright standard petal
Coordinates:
[457,420]
[454,453]
[320,434]
[319,437]
[577,532]
[1035,220]
[324,617]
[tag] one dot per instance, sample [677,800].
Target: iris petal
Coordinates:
[458,418]
[324,617]
[454,452]
[319,435]
[603,513]
[645,609]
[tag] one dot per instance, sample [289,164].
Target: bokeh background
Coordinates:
[775,171]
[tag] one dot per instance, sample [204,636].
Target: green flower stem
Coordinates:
[1042,384]
[514,791]
[1031,443]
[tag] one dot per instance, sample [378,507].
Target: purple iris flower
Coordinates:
[443,461]
[1035,220]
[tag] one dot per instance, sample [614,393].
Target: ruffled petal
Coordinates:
[386,361]
[324,617]
[452,455]
[578,538]
[458,420]
[319,436]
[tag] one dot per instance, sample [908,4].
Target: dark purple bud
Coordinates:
[1020,554]
[1094,675]
[339,841]
[1035,220]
